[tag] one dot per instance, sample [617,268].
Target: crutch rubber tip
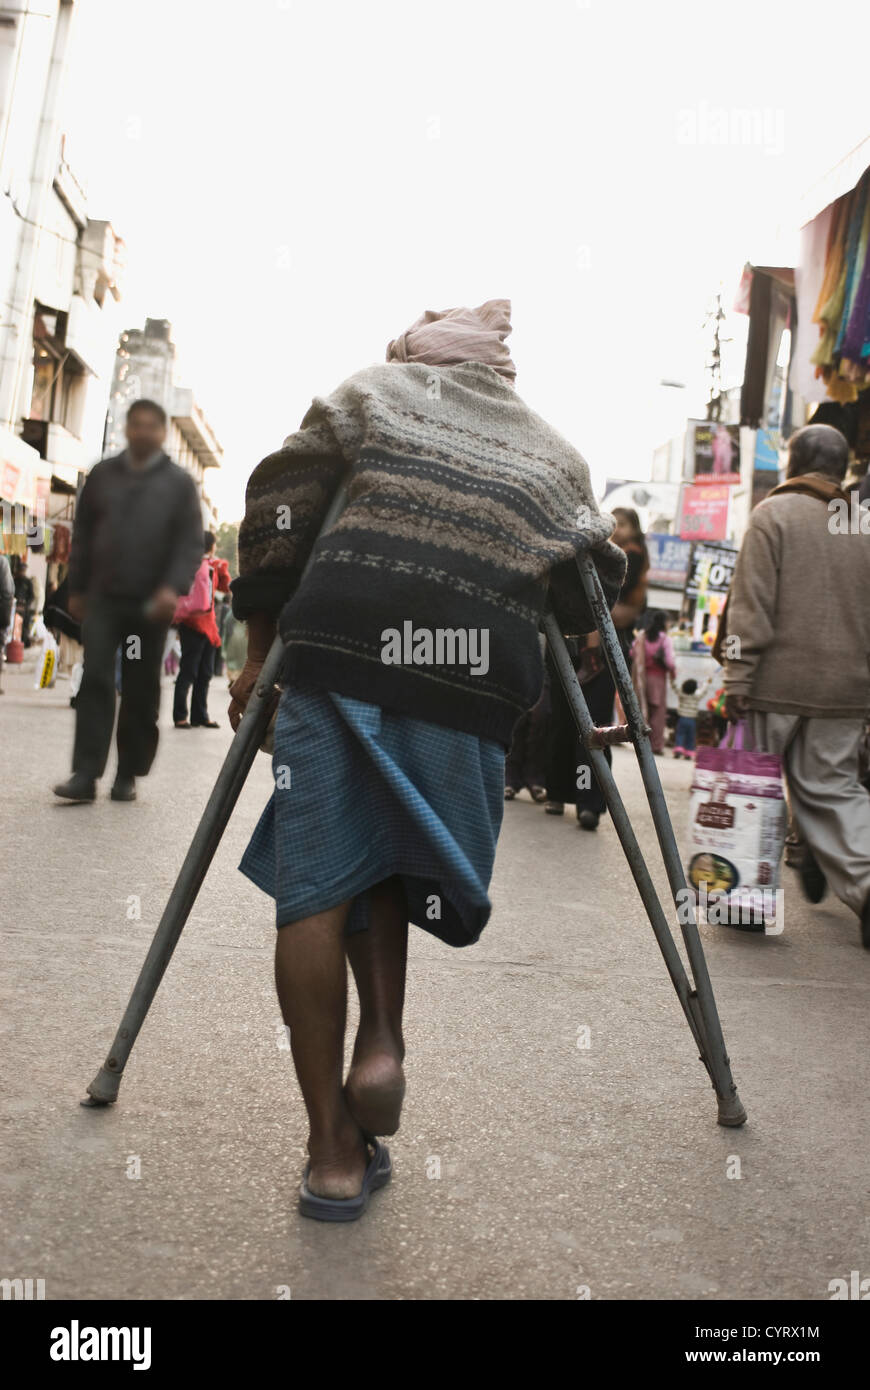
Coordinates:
[104,1088]
[731,1112]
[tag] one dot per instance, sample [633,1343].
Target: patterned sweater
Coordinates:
[464,509]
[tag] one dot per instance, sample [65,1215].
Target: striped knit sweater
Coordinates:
[464,509]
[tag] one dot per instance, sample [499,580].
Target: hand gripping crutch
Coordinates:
[697,1002]
[103,1090]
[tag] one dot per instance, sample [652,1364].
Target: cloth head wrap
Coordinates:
[444,337]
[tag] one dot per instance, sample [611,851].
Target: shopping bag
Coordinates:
[46,667]
[737,829]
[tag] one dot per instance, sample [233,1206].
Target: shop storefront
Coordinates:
[808,347]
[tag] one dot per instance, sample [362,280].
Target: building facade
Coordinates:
[60,273]
[145,366]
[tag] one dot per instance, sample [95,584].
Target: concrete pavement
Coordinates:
[526,1166]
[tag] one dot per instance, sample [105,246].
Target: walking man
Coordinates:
[136,546]
[798,669]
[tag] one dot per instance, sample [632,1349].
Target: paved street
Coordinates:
[526,1167]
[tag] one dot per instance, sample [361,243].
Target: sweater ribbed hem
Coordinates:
[418,693]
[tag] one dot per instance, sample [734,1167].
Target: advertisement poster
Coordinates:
[712,570]
[704,512]
[765,473]
[715,452]
[669,559]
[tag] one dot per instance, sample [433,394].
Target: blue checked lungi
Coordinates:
[362,794]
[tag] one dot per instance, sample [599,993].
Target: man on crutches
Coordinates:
[405,545]
[412,650]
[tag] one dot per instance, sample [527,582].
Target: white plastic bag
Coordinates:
[46,665]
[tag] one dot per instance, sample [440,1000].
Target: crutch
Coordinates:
[697,1001]
[103,1090]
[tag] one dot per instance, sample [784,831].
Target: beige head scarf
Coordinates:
[443,337]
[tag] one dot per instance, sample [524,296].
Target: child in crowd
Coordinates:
[687,714]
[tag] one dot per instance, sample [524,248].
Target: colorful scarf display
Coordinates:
[842,310]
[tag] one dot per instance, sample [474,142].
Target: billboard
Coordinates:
[703,514]
[714,452]
[668,560]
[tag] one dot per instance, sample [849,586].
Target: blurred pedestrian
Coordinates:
[199,638]
[796,660]
[25,600]
[569,774]
[526,759]
[652,665]
[628,609]
[687,718]
[136,545]
[7,604]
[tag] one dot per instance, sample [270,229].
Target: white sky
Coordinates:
[296,180]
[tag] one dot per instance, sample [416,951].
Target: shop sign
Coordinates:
[704,512]
[712,570]
[668,560]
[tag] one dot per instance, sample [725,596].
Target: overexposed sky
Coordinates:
[296,180]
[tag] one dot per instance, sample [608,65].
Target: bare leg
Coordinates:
[311,978]
[376,1082]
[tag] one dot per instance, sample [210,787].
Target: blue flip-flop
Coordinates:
[377,1174]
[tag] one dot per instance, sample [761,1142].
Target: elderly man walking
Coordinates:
[799,667]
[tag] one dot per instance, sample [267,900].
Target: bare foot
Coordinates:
[337,1167]
[374,1091]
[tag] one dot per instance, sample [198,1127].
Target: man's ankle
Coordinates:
[382,1035]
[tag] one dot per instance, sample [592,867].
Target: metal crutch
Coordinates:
[103,1090]
[698,1002]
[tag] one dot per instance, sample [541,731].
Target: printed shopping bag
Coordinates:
[737,828]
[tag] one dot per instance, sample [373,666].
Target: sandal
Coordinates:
[376,1175]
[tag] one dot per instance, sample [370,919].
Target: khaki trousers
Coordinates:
[829,805]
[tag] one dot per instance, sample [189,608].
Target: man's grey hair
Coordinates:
[818,449]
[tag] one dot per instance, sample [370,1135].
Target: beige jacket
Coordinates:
[800,606]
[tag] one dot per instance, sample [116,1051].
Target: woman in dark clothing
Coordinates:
[525,764]
[569,775]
